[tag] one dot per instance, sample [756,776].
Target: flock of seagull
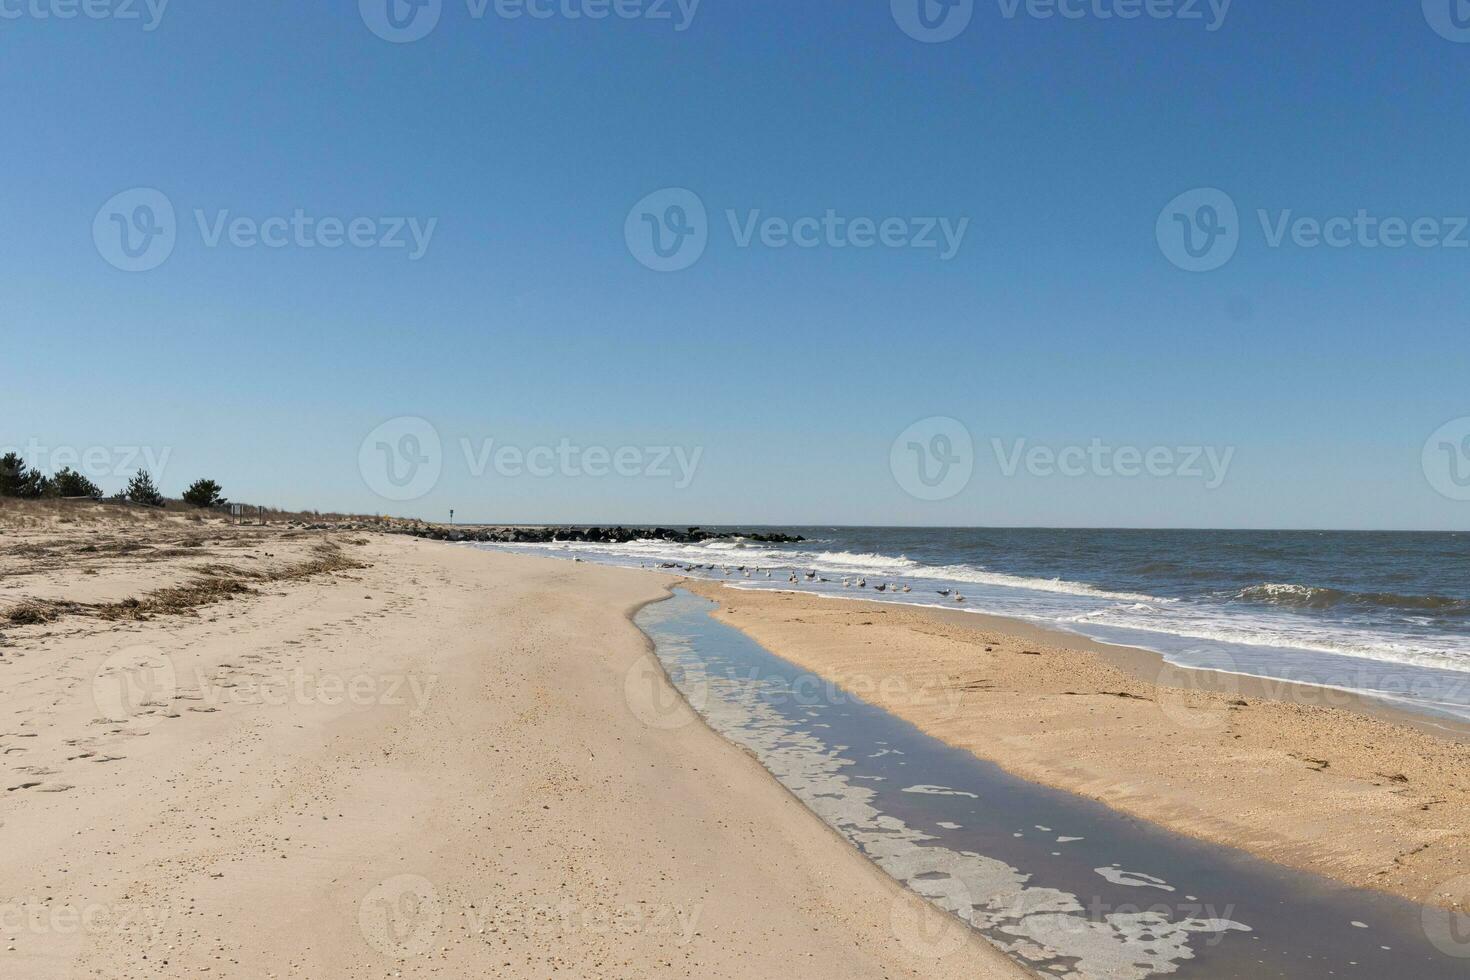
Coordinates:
[848,582]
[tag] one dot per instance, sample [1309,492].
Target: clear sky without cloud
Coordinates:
[1100,263]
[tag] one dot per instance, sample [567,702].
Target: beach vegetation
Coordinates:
[69,483]
[142,490]
[204,493]
[19,480]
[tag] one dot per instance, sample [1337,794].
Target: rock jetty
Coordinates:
[599,535]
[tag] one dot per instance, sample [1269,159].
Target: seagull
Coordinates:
[907,589]
[862,583]
[792,579]
[944,592]
[958,597]
[881,587]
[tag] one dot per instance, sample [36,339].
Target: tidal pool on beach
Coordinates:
[1065,886]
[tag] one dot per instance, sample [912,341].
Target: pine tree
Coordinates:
[141,490]
[69,483]
[204,493]
[19,480]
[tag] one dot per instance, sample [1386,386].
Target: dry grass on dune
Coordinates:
[30,613]
[220,583]
[39,514]
[175,600]
[36,514]
[192,558]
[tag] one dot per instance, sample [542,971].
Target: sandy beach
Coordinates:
[1314,779]
[280,752]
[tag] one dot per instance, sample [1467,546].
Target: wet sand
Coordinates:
[1310,778]
[430,762]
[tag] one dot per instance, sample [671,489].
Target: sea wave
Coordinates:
[1200,623]
[978,576]
[1314,597]
[864,562]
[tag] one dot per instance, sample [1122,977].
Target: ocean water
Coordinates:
[1380,613]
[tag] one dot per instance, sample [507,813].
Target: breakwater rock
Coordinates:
[599,535]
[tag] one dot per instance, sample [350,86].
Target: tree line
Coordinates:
[17,479]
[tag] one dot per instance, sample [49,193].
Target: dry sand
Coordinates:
[1303,776]
[387,757]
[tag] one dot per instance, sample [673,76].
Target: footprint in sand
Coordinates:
[42,787]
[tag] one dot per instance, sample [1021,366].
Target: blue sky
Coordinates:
[786,374]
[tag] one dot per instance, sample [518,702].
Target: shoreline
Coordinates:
[1364,793]
[1409,673]
[1146,664]
[426,762]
